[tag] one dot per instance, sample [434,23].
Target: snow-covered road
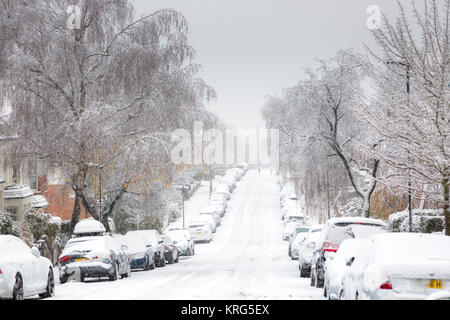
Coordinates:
[247,258]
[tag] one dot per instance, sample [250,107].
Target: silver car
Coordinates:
[394,266]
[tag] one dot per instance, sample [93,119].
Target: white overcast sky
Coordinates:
[253,48]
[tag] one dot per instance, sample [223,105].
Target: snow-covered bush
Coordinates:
[425,221]
[8,226]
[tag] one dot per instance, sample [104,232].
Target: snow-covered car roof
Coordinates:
[89,226]
[418,246]
[91,243]
[355,220]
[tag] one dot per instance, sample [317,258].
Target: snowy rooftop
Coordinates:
[39,201]
[17,191]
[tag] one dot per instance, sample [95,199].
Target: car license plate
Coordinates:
[81,259]
[435,284]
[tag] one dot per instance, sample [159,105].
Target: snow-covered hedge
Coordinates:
[424,220]
[8,226]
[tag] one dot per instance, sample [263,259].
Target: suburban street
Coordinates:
[246,260]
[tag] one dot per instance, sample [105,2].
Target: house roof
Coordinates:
[17,191]
[39,201]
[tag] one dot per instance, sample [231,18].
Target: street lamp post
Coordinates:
[182,194]
[406,65]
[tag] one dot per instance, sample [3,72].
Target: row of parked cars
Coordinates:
[94,253]
[209,218]
[357,258]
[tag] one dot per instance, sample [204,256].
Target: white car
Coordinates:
[296,240]
[336,268]
[393,266]
[223,189]
[201,231]
[23,272]
[182,239]
[306,249]
[211,211]
[294,217]
[290,228]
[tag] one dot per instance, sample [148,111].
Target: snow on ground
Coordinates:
[247,258]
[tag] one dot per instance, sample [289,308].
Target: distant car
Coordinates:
[201,231]
[336,230]
[336,268]
[183,240]
[212,211]
[294,217]
[290,228]
[294,244]
[93,257]
[153,238]
[171,253]
[306,249]
[23,272]
[141,255]
[397,266]
[223,189]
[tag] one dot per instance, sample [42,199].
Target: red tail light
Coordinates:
[329,247]
[1,271]
[166,247]
[64,259]
[386,285]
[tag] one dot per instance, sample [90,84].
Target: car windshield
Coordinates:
[85,244]
[295,219]
[301,230]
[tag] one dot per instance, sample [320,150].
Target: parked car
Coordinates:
[294,217]
[153,238]
[171,253]
[93,257]
[394,266]
[212,211]
[336,268]
[297,237]
[290,228]
[223,189]
[201,231]
[220,205]
[306,249]
[23,271]
[336,230]
[183,240]
[141,255]
[89,227]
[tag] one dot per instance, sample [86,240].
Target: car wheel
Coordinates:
[356,296]
[115,276]
[62,279]
[128,274]
[18,288]
[325,291]
[313,278]
[177,258]
[319,283]
[163,261]
[170,260]
[341,295]
[50,289]
[153,265]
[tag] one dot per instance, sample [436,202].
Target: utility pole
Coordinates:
[406,65]
[328,195]
[182,193]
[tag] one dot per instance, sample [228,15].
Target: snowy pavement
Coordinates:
[247,258]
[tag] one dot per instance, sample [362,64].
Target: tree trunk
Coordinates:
[75,213]
[446,205]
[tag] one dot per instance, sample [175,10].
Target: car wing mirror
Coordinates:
[350,261]
[160,241]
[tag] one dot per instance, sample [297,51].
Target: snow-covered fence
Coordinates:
[424,220]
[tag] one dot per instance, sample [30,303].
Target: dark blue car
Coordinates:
[141,255]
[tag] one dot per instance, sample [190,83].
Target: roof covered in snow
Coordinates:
[89,226]
[17,191]
[39,201]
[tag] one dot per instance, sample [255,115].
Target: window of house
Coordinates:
[12,211]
